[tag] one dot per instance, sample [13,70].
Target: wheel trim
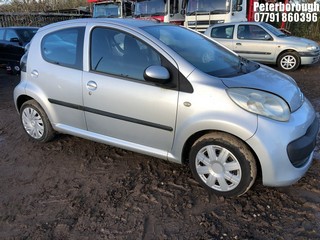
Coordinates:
[32,123]
[288,62]
[218,168]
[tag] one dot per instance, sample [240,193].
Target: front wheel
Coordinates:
[289,61]
[35,122]
[223,164]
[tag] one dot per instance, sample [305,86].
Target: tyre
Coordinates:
[223,164]
[288,61]
[35,122]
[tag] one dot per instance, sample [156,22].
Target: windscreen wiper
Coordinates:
[218,11]
[158,14]
[197,13]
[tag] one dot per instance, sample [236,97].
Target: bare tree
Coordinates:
[39,5]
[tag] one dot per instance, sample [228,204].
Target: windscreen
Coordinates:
[27,34]
[274,30]
[111,10]
[202,53]
[145,8]
[195,7]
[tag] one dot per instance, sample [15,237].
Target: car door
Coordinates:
[119,104]
[224,35]
[55,65]
[254,43]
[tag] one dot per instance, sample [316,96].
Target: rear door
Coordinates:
[55,64]
[119,104]
[224,35]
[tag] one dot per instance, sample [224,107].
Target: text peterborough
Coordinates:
[288,7]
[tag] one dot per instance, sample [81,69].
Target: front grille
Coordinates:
[300,149]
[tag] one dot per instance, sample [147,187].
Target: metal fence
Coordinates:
[36,19]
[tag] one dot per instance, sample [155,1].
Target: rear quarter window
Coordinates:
[222,32]
[64,47]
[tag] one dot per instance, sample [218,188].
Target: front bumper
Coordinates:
[309,57]
[275,146]
[299,150]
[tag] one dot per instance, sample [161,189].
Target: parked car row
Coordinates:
[169,92]
[257,41]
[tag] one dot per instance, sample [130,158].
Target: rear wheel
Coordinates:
[35,122]
[223,164]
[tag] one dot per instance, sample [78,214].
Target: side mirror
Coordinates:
[239,8]
[157,74]
[239,5]
[183,12]
[184,4]
[267,37]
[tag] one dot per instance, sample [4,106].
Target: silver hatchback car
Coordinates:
[261,42]
[171,93]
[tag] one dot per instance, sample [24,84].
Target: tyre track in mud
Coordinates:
[72,188]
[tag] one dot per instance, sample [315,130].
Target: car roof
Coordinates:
[135,23]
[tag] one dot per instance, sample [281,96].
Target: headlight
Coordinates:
[259,102]
[312,48]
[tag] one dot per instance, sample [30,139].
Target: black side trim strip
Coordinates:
[111,115]
[249,52]
[65,104]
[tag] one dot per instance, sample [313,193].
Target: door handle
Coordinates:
[34,73]
[91,85]
[239,44]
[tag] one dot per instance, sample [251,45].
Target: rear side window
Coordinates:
[222,32]
[64,47]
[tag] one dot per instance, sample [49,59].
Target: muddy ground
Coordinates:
[72,188]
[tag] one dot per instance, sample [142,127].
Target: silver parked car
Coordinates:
[261,42]
[132,84]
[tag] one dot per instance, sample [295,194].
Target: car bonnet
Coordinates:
[269,80]
[300,40]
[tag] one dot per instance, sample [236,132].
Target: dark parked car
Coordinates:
[12,43]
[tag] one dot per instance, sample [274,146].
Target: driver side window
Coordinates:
[252,32]
[117,53]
